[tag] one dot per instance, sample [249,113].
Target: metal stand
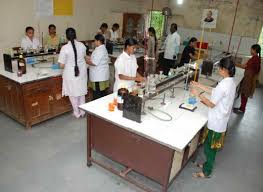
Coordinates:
[163,102]
[173,95]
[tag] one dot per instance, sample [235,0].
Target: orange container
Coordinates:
[111,106]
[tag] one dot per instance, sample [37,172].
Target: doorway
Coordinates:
[260,40]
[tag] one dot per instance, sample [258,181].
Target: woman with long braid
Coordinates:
[248,84]
[72,60]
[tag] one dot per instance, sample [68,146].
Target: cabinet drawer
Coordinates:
[36,87]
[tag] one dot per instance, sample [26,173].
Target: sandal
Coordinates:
[200,175]
[200,165]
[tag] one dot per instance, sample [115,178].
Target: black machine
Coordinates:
[132,108]
[207,67]
[8,63]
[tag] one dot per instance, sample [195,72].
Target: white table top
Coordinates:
[175,134]
[41,71]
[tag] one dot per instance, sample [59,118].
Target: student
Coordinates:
[126,67]
[29,41]
[52,40]
[220,107]
[171,49]
[114,35]
[104,31]
[189,52]
[72,60]
[248,84]
[151,51]
[209,17]
[99,72]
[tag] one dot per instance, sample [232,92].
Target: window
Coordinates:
[156,20]
[260,41]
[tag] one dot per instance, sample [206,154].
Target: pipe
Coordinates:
[230,38]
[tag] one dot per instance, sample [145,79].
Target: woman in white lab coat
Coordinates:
[220,107]
[75,78]
[99,72]
[126,67]
[151,51]
[29,41]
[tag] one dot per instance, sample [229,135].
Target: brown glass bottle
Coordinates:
[22,64]
[122,92]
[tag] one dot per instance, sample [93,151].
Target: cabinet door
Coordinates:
[37,104]
[11,100]
[132,24]
[59,104]
[3,94]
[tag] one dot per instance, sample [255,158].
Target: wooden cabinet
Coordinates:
[10,96]
[33,102]
[133,24]
[59,104]
[37,98]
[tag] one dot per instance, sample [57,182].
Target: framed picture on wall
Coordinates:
[209,18]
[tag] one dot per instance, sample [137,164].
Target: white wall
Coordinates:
[15,15]
[248,20]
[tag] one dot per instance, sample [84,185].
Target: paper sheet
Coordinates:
[43,8]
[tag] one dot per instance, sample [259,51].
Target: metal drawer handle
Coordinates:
[34,104]
[50,98]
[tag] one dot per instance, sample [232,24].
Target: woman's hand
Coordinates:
[242,66]
[88,60]
[195,92]
[140,79]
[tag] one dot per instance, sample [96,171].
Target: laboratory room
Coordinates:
[131,96]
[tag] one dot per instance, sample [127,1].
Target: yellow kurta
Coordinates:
[50,42]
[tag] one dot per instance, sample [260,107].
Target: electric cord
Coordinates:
[160,111]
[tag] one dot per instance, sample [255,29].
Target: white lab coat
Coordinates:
[223,97]
[171,46]
[125,65]
[27,44]
[114,35]
[101,71]
[74,86]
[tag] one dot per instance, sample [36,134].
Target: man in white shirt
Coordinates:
[171,49]
[29,41]
[114,32]
[103,30]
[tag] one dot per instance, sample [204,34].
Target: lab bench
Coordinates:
[34,97]
[156,149]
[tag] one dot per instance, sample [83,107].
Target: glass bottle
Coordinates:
[22,64]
